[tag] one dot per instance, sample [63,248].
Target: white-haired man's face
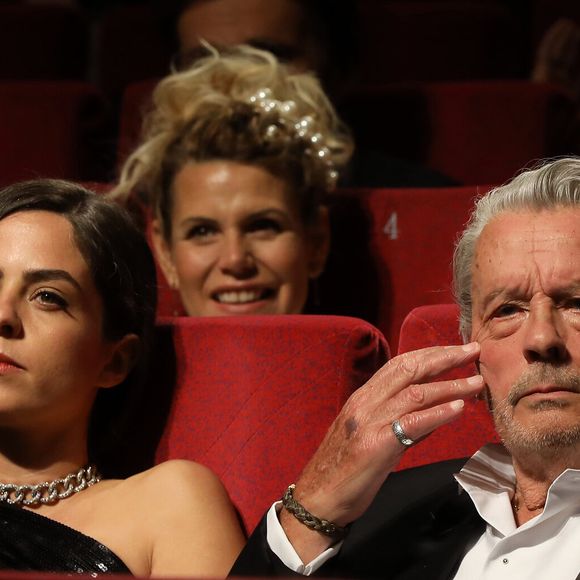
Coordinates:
[526,316]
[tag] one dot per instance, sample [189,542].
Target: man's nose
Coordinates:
[237,257]
[545,335]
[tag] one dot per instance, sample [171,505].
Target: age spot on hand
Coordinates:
[350,426]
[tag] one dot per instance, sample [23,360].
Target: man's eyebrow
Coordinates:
[45,275]
[492,296]
[572,288]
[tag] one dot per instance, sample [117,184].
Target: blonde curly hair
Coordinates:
[239,104]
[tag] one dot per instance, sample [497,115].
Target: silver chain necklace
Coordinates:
[49,492]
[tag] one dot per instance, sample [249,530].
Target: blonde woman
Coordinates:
[237,157]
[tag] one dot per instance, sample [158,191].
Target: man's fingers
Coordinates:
[422,365]
[419,424]
[423,396]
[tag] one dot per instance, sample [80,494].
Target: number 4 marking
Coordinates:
[391,227]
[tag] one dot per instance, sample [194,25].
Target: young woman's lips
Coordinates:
[8,365]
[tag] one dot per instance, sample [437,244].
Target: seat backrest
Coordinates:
[49,129]
[438,325]
[485,132]
[255,395]
[474,132]
[392,251]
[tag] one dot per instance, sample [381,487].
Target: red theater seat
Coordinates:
[437,325]
[47,129]
[474,132]
[487,132]
[413,235]
[407,242]
[256,394]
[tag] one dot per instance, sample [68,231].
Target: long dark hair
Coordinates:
[124,274]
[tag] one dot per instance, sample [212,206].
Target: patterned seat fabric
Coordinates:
[255,395]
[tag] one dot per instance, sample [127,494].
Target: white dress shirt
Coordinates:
[545,547]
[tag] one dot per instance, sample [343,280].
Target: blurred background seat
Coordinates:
[474,132]
[50,129]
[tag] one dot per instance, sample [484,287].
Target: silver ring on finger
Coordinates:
[400,434]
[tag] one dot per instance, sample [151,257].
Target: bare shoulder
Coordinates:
[177,473]
[178,481]
[192,525]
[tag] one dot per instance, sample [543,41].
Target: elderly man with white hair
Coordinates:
[511,510]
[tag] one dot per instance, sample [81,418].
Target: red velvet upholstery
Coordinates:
[412,237]
[46,129]
[438,325]
[256,394]
[486,132]
[426,41]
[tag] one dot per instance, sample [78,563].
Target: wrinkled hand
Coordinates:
[360,448]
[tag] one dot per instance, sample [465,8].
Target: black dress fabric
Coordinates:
[29,541]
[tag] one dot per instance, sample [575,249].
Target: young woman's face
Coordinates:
[238,244]
[53,356]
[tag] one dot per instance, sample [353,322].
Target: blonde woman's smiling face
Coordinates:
[238,244]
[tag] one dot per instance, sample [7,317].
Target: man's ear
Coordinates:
[163,254]
[319,242]
[123,356]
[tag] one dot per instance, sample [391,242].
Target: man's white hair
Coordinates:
[551,185]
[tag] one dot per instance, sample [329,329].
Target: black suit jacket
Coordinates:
[418,527]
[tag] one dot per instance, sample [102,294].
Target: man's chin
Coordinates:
[546,438]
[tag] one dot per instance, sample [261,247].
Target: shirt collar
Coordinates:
[489,479]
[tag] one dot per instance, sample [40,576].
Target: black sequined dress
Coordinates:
[30,541]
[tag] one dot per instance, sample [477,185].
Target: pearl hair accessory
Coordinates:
[303,129]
